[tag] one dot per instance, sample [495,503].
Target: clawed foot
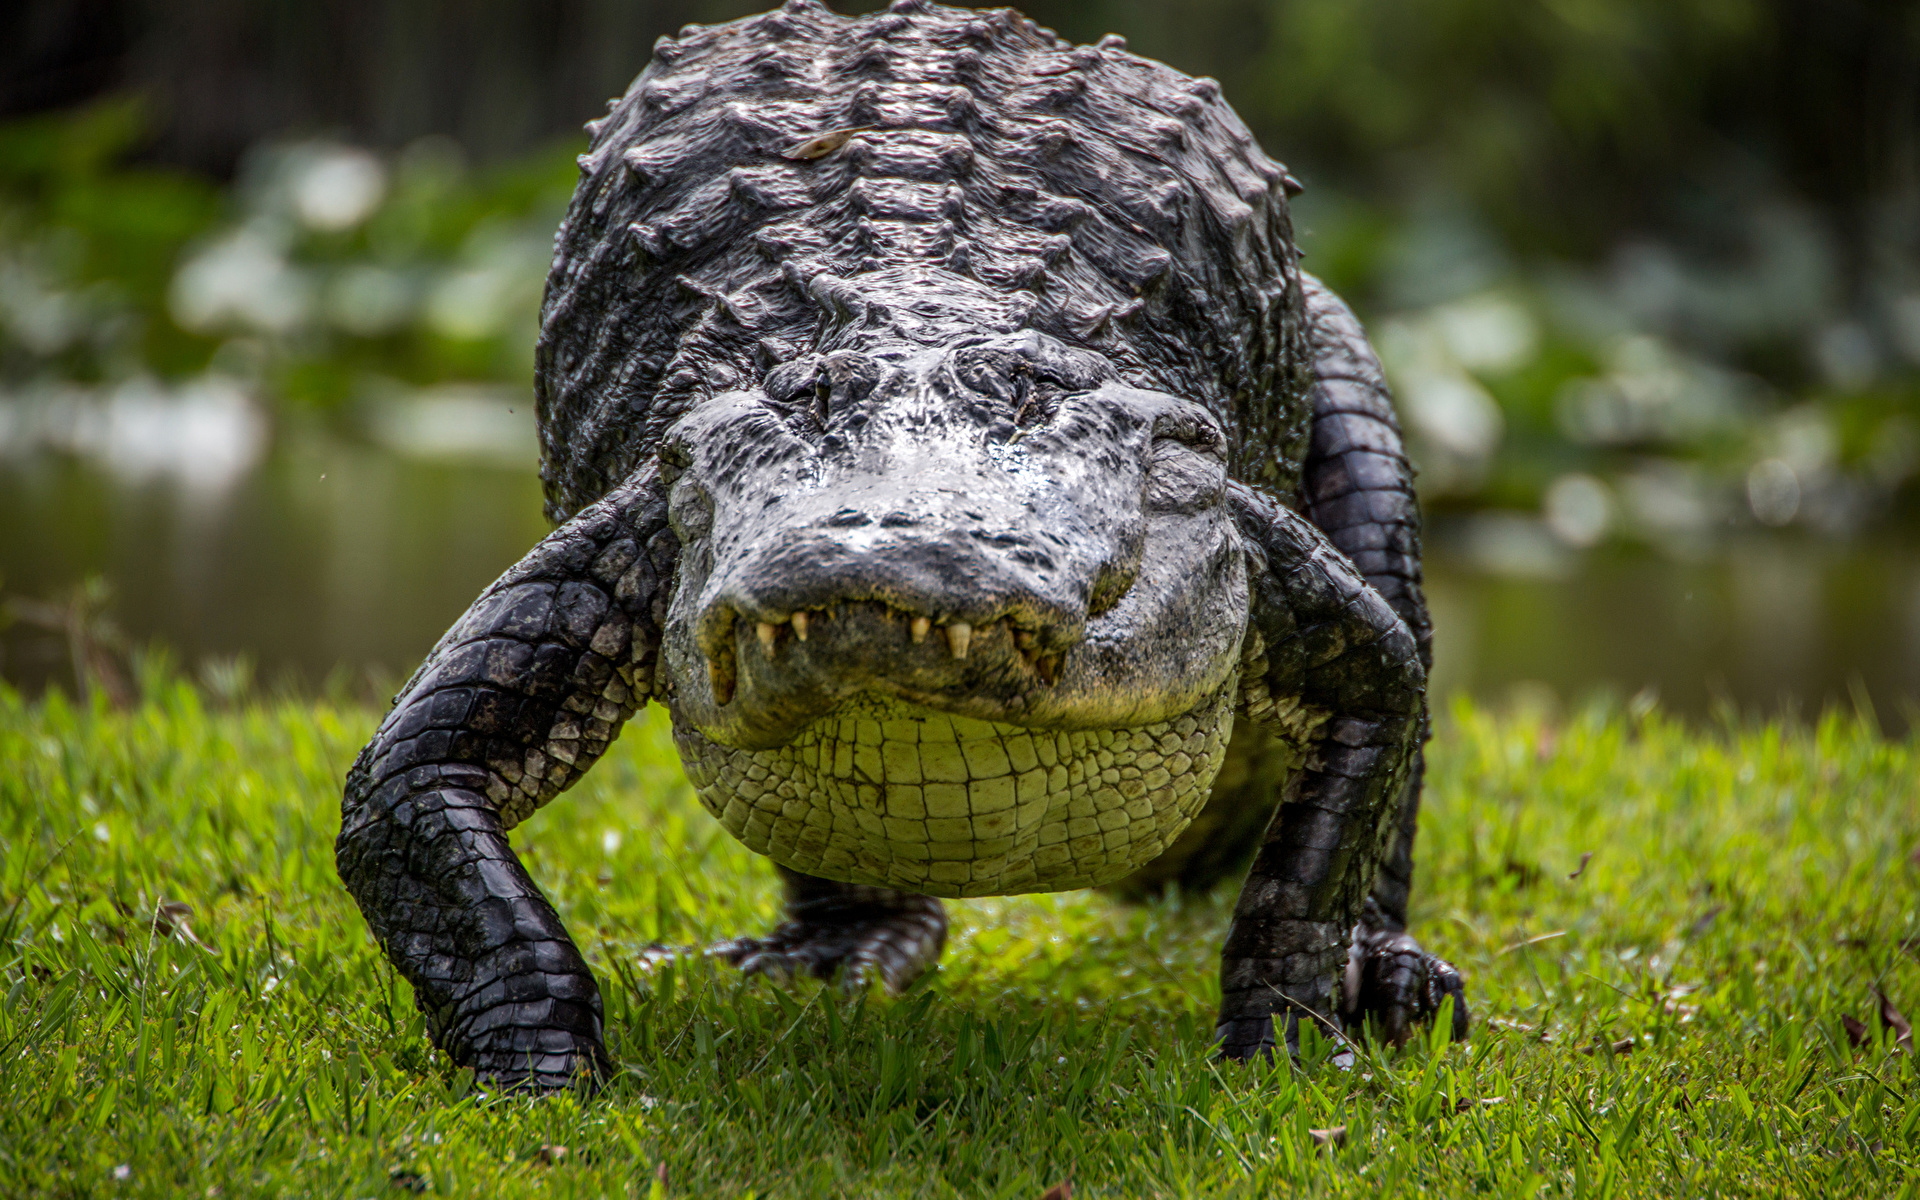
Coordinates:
[1392,985]
[892,935]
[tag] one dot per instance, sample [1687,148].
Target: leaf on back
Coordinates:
[823,145]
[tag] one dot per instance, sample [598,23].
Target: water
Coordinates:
[1769,626]
[330,554]
[317,554]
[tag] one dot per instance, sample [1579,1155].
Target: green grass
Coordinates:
[1748,887]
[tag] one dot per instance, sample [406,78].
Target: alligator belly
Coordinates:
[883,792]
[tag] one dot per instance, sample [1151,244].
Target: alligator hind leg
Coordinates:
[848,929]
[1330,665]
[519,698]
[1358,488]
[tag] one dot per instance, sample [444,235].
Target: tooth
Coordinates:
[920,627]
[959,637]
[765,630]
[800,626]
[722,682]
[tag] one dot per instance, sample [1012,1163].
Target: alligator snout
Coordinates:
[814,594]
[928,593]
[957,638]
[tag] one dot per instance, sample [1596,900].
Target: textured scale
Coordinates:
[1100,186]
[882,794]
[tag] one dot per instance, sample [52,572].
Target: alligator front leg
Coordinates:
[848,929]
[519,698]
[1329,664]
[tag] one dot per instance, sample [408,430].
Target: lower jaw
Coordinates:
[886,793]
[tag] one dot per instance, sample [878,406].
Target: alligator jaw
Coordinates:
[794,669]
[958,636]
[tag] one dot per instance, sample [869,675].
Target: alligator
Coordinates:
[935,420]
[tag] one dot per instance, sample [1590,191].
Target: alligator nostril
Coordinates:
[722,675]
[847,517]
[895,520]
[1111,586]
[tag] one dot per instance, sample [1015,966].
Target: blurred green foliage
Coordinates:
[1508,102]
[89,246]
[323,271]
[1642,272]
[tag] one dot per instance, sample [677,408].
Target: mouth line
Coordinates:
[771,634]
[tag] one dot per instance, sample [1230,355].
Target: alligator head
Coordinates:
[942,516]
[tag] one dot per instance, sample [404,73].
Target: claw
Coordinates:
[1397,985]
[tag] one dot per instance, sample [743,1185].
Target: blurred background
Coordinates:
[1645,275]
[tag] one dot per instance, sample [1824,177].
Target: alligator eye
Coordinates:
[1040,400]
[689,511]
[799,391]
[674,460]
[1195,430]
[1036,394]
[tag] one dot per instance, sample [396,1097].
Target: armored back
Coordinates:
[800,180]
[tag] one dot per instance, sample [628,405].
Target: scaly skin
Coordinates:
[1358,487]
[937,423]
[519,698]
[858,932]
